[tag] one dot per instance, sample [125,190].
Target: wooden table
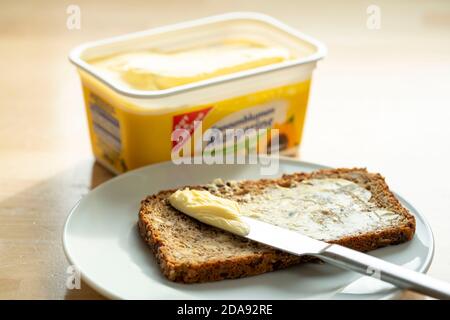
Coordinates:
[380,99]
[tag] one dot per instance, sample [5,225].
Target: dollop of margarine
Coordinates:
[210,209]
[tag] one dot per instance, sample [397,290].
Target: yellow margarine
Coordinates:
[156,70]
[210,209]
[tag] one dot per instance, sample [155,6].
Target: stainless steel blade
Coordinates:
[283,239]
[296,243]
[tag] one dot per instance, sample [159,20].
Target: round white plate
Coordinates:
[101,240]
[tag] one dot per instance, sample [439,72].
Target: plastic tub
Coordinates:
[131,127]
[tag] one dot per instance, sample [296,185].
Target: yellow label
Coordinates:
[123,139]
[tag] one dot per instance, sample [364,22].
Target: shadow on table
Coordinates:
[33,264]
[99,175]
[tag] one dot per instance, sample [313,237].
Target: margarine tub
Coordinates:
[234,71]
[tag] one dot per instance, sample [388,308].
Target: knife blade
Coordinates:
[282,238]
[296,243]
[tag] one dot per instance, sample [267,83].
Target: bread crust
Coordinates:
[165,237]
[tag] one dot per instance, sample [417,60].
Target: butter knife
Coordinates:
[299,244]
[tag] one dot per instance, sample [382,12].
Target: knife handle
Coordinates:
[370,266]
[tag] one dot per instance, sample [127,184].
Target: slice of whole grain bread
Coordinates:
[189,251]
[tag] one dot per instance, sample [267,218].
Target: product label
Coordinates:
[187,121]
[258,117]
[265,116]
[106,129]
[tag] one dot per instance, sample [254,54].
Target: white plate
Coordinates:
[101,239]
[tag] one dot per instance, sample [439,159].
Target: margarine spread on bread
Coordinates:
[157,70]
[324,209]
[210,209]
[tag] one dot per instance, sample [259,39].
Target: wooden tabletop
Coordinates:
[380,99]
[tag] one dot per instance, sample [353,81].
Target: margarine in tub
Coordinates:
[231,71]
[158,70]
